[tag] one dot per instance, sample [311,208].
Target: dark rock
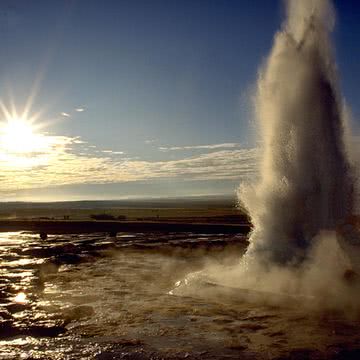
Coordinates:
[4,314]
[14,307]
[42,331]
[69,259]
[7,329]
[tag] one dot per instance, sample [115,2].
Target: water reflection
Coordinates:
[91,295]
[20,298]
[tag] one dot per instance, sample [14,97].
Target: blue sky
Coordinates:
[163,86]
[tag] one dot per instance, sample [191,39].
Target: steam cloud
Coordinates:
[306,182]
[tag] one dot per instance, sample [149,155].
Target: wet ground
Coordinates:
[101,297]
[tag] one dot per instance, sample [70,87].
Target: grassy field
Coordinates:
[165,214]
[187,211]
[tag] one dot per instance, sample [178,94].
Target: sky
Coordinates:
[138,98]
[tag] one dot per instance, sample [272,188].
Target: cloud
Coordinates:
[111,152]
[77,140]
[66,114]
[225,164]
[65,165]
[39,150]
[201,147]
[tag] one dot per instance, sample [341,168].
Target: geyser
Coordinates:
[305,188]
[306,183]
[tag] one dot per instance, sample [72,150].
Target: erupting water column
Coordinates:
[306,182]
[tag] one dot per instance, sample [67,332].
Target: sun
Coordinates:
[22,144]
[18,137]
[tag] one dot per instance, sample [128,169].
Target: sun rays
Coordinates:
[22,144]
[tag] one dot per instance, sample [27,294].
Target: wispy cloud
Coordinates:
[64,166]
[70,160]
[71,113]
[201,147]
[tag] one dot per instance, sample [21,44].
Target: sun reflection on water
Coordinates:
[21,298]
